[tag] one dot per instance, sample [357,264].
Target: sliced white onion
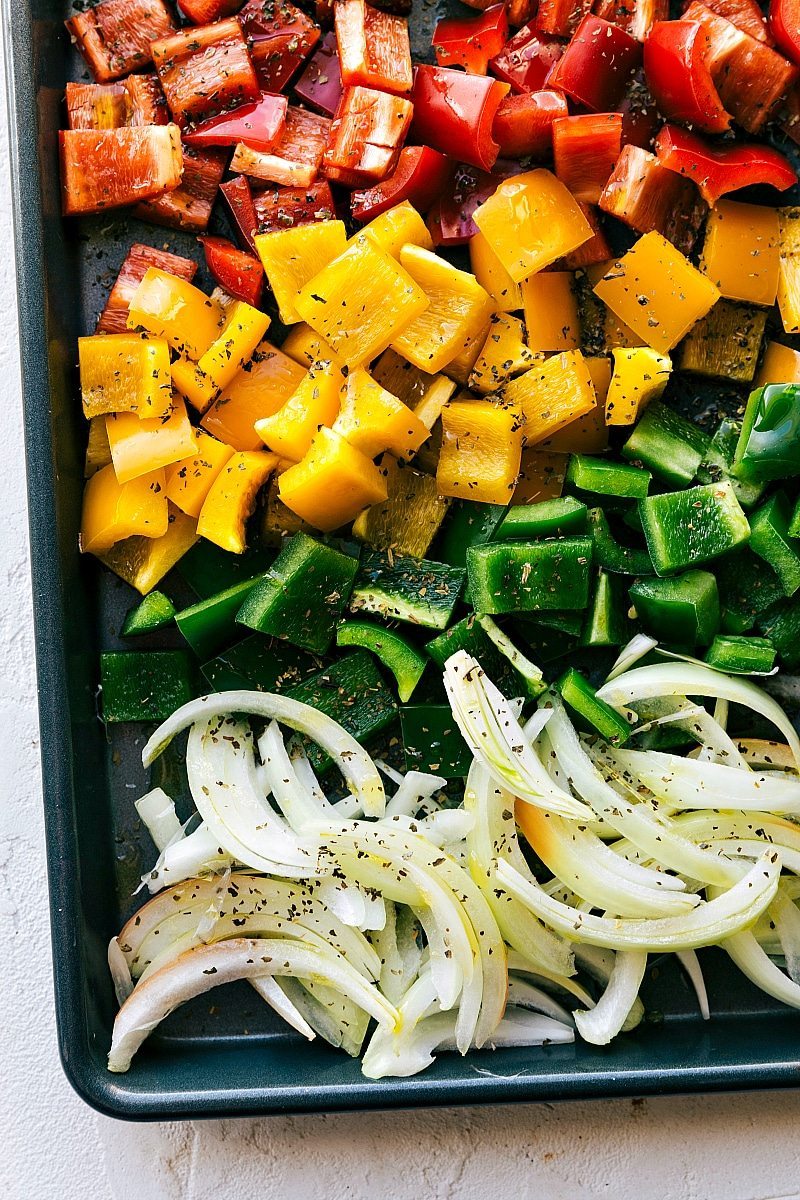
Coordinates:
[688,783]
[691,965]
[197,853]
[416,787]
[298,803]
[270,990]
[603,1022]
[528,670]
[157,811]
[640,645]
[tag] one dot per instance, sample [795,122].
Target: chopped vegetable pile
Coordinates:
[424,444]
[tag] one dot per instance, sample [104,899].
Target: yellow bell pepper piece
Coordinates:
[551,311]
[332,484]
[201,382]
[541,476]
[780,364]
[258,390]
[121,372]
[492,275]
[232,497]
[361,302]
[113,511]
[457,311]
[726,343]
[138,447]
[481,451]
[589,433]
[740,251]
[316,402]
[461,367]
[305,346]
[551,394]
[373,420]
[599,324]
[168,307]
[293,256]
[657,292]
[789,276]
[640,375]
[530,221]
[98,451]
[190,481]
[425,394]
[503,356]
[396,227]
[144,561]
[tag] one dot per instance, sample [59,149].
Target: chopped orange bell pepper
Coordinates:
[503,356]
[541,476]
[492,275]
[305,346]
[551,311]
[332,484]
[481,451]
[171,308]
[202,381]
[741,253]
[289,431]
[551,394]
[458,309]
[138,447]
[789,277]
[232,497]
[121,372]
[396,227]
[589,433]
[530,221]
[144,561]
[780,364]
[292,257]
[113,511]
[374,420]
[258,390]
[189,482]
[640,375]
[361,302]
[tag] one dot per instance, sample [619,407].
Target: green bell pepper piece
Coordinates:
[683,609]
[432,741]
[741,655]
[467,635]
[770,540]
[144,685]
[610,554]
[794,521]
[560,517]
[780,624]
[669,445]
[607,622]
[719,459]
[261,663]
[747,587]
[211,623]
[416,590]
[769,444]
[579,695]
[353,692]
[154,612]
[685,529]
[602,477]
[209,570]
[467,524]
[397,655]
[506,577]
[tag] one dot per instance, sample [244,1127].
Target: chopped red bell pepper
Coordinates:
[717,170]
[561,17]
[751,78]
[523,127]
[114,37]
[241,275]
[521,12]
[419,177]
[374,50]
[96,106]
[596,249]
[677,67]
[745,15]
[189,205]
[280,37]
[790,115]
[111,168]
[147,102]
[597,64]
[640,119]
[472,42]
[205,69]
[296,159]
[323,11]
[450,219]
[585,149]
[320,85]
[114,317]
[784,25]
[455,112]
[366,136]
[527,60]
[258,124]
[646,196]
[203,12]
[237,195]
[282,208]
[637,16]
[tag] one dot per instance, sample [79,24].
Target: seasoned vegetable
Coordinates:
[526,576]
[144,685]
[684,529]
[419,591]
[395,652]
[684,610]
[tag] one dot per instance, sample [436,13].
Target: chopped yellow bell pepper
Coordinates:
[202,381]
[373,420]
[640,375]
[189,482]
[289,431]
[144,561]
[789,277]
[657,292]
[780,364]
[425,394]
[530,221]
[503,356]
[492,275]
[258,390]
[332,484]
[293,256]
[396,227]
[361,302]
[232,497]
[98,451]
[600,327]
[541,476]
[457,311]
[305,346]
[740,251]
[121,372]
[551,394]
[168,307]
[113,511]
[589,433]
[726,343]
[461,367]
[138,447]
[551,311]
[481,451]
[410,516]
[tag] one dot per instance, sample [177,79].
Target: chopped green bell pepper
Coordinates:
[607,622]
[579,695]
[747,587]
[770,540]
[719,459]
[769,444]
[353,692]
[780,624]
[154,612]
[416,590]
[610,554]
[559,517]
[685,529]
[669,445]
[211,623]
[506,577]
[208,570]
[683,609]
[261,663]
[741,655]
[144,685]
[432,741]
[467,524]
[467,635]
[397,655]
[602,477]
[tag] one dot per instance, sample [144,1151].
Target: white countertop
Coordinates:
[52,1147]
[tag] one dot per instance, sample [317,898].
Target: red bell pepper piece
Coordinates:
[205,69]
[239,199]
[676,63]
[455,112]
[523,127]
[111,168]
[521,12]
[320,85]
[241,275]
[585,149]
[374,50]
[640,119]
[596,250]
[784,25]
[471,43]
[296,159]
[258,124]
[96,106]
[114,317]
[527,60]
[745,15]
[203,12]
[450,220]
[114,37]
[282,208]
[717,170]
[280,37]
[189,205]
[637,16]
[419,177]
[597,64]
[644,195]
[146,100]
[366,136]
[561,17]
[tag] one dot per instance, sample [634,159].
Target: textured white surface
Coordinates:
[54,1148]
